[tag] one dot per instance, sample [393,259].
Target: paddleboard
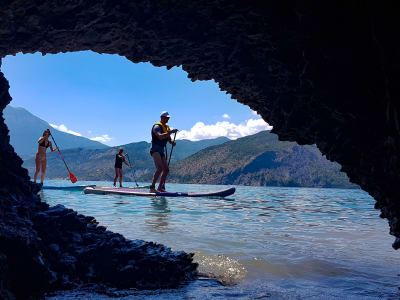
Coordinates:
[145,192]
[66,187]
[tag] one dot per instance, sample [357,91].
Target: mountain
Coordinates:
[25,129]
[98,164]
[185,148]
[260,160]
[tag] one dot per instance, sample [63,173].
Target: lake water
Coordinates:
[262,242]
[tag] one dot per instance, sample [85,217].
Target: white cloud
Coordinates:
[64,128]
[103,138]
[226,116]
[255,113]
[201,131]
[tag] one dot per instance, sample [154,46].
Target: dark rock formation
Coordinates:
[323,72]
[78,250]
[43,249]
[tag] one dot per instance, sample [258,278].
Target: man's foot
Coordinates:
[114,185]
[153,189]
[161,190]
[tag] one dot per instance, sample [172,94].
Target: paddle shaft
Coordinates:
[59,152]
[172,148]
[133,173]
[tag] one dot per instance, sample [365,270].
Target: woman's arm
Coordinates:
[123,159]
[51,147]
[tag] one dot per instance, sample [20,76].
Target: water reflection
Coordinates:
[157,220]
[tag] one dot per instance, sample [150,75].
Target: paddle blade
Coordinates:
[72,177]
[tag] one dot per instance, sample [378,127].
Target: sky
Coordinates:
[112,100]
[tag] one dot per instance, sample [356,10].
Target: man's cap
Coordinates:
[165,114]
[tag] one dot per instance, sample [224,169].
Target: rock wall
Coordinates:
[322,72]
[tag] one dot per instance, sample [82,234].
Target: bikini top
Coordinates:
[43,144]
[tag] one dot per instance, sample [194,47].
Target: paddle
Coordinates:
[172,148]
[133,173]
[71,176]
[170,155]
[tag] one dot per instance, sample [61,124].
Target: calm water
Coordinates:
[262,242]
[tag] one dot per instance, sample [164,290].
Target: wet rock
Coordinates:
[58,210]
[80,251]
[396,244]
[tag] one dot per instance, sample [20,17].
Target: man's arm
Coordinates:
[157,130]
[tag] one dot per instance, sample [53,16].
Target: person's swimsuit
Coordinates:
[42,156]
[43,144]
[118,161]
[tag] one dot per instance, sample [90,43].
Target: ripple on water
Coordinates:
[226,270]
[278,243]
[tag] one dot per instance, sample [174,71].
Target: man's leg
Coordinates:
[158,163]
[165,171]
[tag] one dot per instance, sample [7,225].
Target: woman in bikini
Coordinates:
[40,159]
[119,159]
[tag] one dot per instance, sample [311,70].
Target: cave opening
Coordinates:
[112,101]
[331,71]
[108,99]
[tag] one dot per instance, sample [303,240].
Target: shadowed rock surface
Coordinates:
[320,72]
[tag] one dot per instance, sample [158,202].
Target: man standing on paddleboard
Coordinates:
[160,136]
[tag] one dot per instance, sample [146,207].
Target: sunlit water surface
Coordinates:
[261,243]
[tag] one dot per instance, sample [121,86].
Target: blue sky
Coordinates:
[110,99]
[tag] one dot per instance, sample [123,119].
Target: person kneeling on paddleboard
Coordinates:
[160,136]
[119,159]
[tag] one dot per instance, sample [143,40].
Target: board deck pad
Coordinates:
[145,192]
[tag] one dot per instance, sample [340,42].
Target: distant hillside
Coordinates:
[185,148]
[260,160]
[25,129]
[98,164]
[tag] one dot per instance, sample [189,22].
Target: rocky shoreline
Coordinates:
[45,248]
